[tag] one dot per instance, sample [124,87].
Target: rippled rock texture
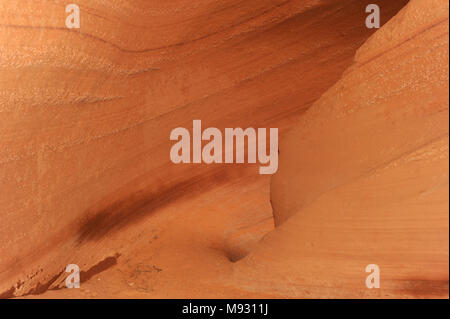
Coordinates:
[86,178]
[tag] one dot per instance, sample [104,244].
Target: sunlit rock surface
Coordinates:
[85,174]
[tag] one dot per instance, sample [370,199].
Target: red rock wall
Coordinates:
[363,176]
[85,175]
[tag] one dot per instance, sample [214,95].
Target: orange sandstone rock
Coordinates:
[85,175]
[363,177]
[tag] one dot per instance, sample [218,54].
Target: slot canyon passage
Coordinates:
[86,178]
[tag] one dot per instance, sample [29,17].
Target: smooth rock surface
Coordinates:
[85,174]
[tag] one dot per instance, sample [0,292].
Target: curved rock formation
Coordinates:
[85,174]
[363,177]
